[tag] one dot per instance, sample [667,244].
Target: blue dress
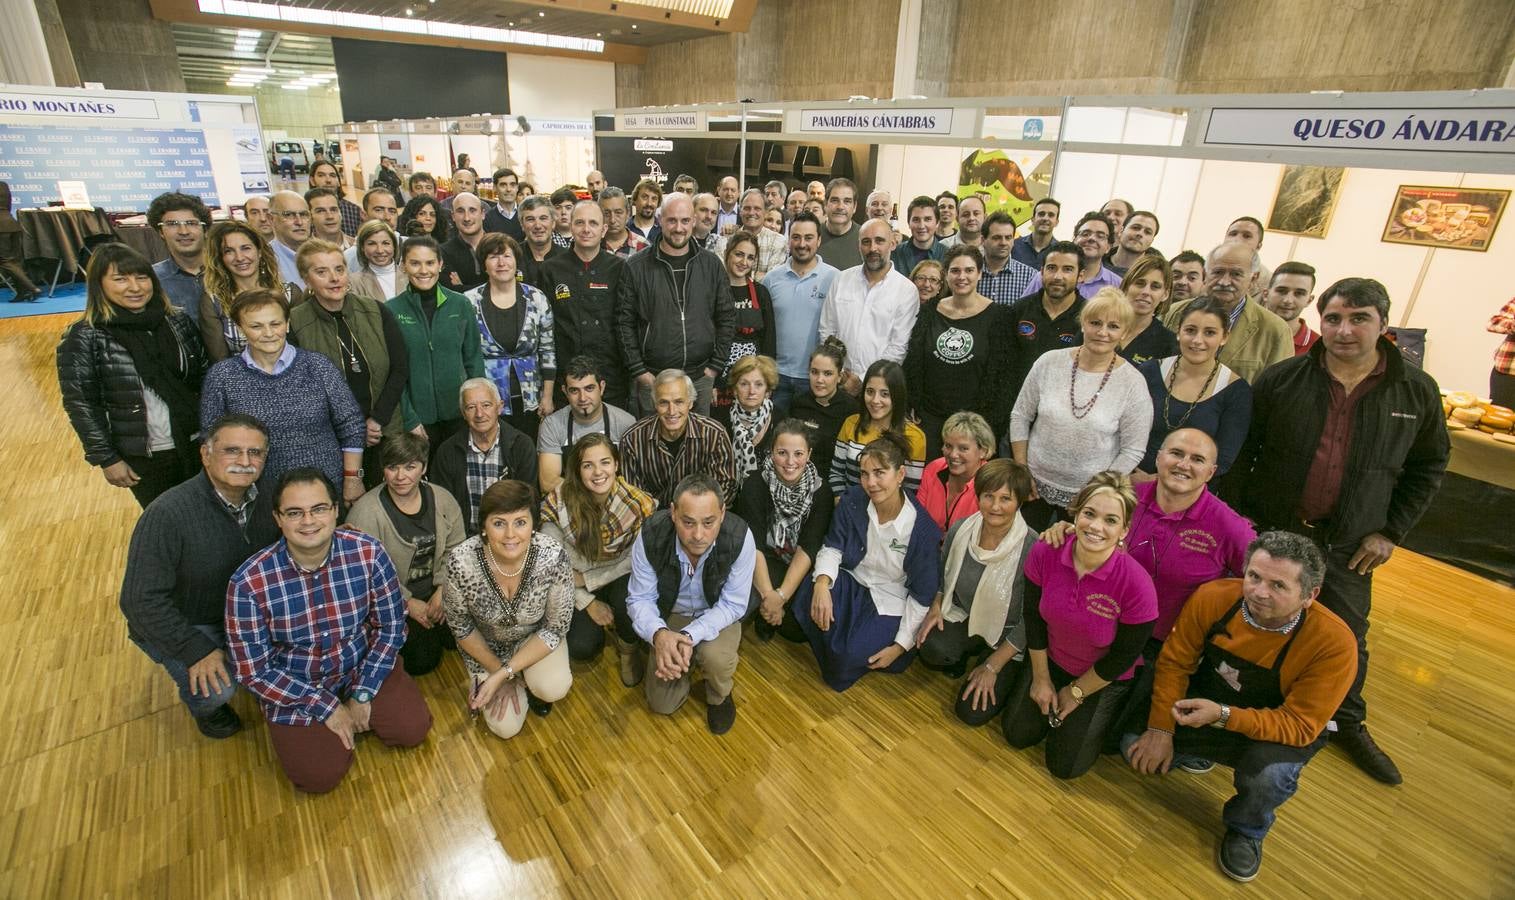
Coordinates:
[858,630]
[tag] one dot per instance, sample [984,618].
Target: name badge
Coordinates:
[598,286]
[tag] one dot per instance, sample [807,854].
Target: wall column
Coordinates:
[23,46]
[119,44]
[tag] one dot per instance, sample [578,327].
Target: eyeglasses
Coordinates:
[236,453]
[293,214]
[1091,233]
[928,280]
[183,224]
[319,511]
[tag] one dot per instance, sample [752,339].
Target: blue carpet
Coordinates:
[68,299]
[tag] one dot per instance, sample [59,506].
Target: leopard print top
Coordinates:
[543,605]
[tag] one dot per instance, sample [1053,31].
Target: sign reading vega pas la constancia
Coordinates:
[78,106]
[658,120]
[1443,130]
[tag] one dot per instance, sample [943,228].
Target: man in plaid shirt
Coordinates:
[314,624]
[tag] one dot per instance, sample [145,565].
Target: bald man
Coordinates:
[259,217]
[460,268]
[291,221]
[871,307]
[595,181]
[674,309]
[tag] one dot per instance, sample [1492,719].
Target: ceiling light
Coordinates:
[295,87]
[409,11]
[277,12]
[541,15]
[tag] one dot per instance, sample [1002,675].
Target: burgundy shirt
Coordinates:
[1329,467]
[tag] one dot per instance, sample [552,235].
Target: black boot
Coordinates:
[1359,744]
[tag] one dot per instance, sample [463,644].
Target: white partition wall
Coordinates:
[1199,162]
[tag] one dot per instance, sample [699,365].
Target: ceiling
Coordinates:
[216,54]
[566,21]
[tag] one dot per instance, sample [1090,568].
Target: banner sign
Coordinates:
[565,127]
[1442,130]
[74,104]
[883,121]
[123,168]
[672,120]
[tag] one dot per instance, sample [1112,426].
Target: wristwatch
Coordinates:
[1077,692]
[1225,716]
[362,696]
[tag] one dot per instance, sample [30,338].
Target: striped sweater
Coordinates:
[850,442]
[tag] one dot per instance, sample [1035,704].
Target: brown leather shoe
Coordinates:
[633,662]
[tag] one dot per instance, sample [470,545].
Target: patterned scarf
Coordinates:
[625,509]
[791,506]
[745,427]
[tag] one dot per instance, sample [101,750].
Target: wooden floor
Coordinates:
[106,789]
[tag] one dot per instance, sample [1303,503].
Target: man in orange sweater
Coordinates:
[1249,677]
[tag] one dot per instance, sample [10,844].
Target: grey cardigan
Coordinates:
[1015,617]
[368,516]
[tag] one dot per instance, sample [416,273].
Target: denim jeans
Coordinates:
[783,396]
[1265,774]
[179,672]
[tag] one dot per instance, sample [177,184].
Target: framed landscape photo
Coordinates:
[1306,200]
[1453,218]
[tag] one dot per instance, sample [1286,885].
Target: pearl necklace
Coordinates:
[496,567]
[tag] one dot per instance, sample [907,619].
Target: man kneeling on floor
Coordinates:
[1249,677]
[314,625]
[691,574]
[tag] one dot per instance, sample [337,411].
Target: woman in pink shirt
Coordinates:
[946,489]
[1089,610]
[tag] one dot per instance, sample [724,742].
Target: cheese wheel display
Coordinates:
[1468,415]
[1495,422]
[1462,399]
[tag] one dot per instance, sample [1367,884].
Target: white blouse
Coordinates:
[882,570]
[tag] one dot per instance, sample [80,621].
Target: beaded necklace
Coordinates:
[1083,409]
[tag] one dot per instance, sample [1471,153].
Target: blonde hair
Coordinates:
[1109,481]
[313,247]
[1109,303]
[761,364]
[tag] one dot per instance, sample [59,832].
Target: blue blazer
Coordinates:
[849,534]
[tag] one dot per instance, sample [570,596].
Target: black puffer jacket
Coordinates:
[661,329]
[102,393]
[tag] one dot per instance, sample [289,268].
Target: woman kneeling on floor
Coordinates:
[876,574]
[509,601]
[1087,620]
[978,612]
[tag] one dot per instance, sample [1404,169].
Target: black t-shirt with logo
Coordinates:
[957,359]
[1037,333]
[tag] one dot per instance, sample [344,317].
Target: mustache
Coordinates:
[241,470]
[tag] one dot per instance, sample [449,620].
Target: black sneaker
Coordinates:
[540,707]
[721,716]
[1239,856]
[1359,745]
[762,629]
[1196,766]
[223,722]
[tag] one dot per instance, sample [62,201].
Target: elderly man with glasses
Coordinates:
[291,218]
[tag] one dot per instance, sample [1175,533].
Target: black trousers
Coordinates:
[585,638]
[1072,747]
[951,647]
[1501,388]
[161,471]
[424,646]
[11,263]
[1350,596]
[1039,514]
[789,629]
[437,432]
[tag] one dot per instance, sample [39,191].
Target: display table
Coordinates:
[57,233]
[1466,523]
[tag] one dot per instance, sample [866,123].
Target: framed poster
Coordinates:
[1453,218]
[1305,200]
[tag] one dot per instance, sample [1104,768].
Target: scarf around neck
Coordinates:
[152,343]
[791,506]
[1002,566]
[745,427]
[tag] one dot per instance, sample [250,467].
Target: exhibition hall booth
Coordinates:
[1408,188]
[544,153]
[86,163]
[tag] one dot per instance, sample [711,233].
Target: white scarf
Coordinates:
[1002,565]
[745,427]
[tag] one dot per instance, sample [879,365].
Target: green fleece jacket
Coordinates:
[444,352]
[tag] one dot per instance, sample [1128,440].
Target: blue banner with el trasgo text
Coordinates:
[123,168]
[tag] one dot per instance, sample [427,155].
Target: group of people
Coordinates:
[1100,490]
